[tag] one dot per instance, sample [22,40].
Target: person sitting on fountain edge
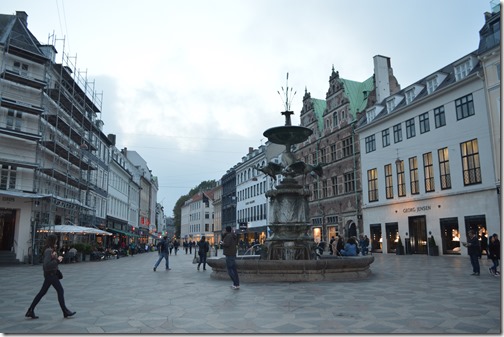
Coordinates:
[350,248]
[228,243]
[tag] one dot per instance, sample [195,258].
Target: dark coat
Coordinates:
[203,247]
[473,247]
[494,249]
[229,242]
[50,263]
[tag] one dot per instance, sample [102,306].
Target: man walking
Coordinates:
[228,243]
[163,248]
[473,249]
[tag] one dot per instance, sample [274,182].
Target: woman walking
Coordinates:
[494,254]
[203,248]
[51,272]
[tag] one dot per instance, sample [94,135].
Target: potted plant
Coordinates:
[399,247]
[433,248]
[86,252]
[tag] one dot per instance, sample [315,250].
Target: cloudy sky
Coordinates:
[192,84]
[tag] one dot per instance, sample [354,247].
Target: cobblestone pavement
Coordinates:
[405,294]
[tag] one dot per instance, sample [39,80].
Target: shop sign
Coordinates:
[416,209]
[8,199]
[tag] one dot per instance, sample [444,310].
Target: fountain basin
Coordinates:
[329,268]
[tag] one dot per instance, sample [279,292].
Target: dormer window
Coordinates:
[463,69]
[410,95]
[371,114]
[391,104]
[432,84]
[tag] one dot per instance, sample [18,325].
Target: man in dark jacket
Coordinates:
[228,243]
[473,249]
[163,248]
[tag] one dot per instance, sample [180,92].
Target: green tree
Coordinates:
[177,209]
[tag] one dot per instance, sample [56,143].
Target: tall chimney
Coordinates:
[381,71]
[251,149]
[21,15]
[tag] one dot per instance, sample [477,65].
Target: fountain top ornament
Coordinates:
[288,135]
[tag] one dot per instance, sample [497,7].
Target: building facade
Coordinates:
[489,54]
[335,203]
[252,207]
[427,163]
[55,157]
[197,217]
[54,153]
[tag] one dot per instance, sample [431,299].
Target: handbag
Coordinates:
[59,273]
[196,258]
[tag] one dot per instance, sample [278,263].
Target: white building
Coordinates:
[489,53]
[427,165]
[148,188]
[197,217]
[252,206]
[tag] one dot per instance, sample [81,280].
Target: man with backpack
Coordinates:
[163,247]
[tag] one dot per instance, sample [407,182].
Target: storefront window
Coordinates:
[392,230]
[376,238]
[450,236]
[317,234]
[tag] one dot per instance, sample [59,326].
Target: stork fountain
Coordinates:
[288,250]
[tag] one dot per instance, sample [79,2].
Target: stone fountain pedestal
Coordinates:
[329,268]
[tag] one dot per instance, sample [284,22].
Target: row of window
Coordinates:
[252,191]
[329,187]
[249,173]
[254,213]
[471,172]
[347,149]
[464,108]
[196,228]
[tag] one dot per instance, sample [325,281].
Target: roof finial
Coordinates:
[288,95]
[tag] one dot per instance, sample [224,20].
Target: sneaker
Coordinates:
[154,268]
[235,287]
[168,268]
[475,274]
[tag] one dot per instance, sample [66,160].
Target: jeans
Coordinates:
[51,280]
[495,264]
[161,256]
[231,268]
[202,259]
[475,263]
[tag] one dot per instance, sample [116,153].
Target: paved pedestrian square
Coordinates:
[404,294]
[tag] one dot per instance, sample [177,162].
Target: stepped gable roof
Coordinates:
[355,91]
[13,31]
[319,106]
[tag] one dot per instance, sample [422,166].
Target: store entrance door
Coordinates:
[418,234]
[7,227]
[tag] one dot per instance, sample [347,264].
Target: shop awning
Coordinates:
[259,229]
[113,230]
[73,229]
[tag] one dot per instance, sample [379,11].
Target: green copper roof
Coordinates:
[319,106]
[355,93]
